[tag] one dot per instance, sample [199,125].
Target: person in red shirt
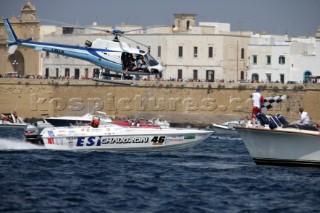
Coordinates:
[95,122]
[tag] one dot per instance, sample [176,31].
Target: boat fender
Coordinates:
[262,118]
[282,119]
[274,122]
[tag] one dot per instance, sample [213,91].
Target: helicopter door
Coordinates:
[125,60]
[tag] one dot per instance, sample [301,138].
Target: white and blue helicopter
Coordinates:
[107,54]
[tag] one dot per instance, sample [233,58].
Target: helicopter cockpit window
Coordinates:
[150,60]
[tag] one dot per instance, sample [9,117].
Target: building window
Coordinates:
[282,59]
[159,51]
[254,59]
[242,53]
[195,74]
[180,74]
[47,54]
[210,54]
[195,52]
[67,30]
[180,51]
[67,73]
[268,59]
[188,25]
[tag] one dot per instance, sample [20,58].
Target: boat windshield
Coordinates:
[150,60]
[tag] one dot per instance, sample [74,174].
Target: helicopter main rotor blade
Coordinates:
[77,26]
[143,28]
[135,41]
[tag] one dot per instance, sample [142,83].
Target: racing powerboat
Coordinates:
[114,137]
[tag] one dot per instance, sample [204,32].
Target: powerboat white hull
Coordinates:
[286,146]
[221,129]
[227,127]
[112,137]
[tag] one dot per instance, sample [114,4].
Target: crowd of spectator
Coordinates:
[11,75]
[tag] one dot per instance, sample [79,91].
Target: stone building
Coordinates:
[203,51]
[283,59]
[24,61]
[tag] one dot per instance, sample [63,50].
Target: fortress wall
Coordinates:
[196,103]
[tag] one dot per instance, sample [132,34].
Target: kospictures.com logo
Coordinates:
[137,103]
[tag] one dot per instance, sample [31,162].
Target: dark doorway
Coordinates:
[17,62]
[77,73]
[210,76]
[255,78]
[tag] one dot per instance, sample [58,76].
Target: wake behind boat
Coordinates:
[114,137]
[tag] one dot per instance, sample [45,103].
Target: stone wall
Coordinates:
[196,103]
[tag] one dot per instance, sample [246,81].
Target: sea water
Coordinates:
[217,175]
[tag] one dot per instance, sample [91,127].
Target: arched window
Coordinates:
[17,62]
[255,78]
[306,76]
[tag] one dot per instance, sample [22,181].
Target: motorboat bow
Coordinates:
[282,146]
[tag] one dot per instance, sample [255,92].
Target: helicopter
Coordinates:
[110,55]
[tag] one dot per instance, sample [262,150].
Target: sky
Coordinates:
[294,17]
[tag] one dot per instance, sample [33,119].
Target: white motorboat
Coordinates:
[12,126]
[286,146]
[114,137]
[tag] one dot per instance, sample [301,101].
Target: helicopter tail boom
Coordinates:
[13,41]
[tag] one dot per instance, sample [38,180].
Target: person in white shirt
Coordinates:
[257,99]
[304,117]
